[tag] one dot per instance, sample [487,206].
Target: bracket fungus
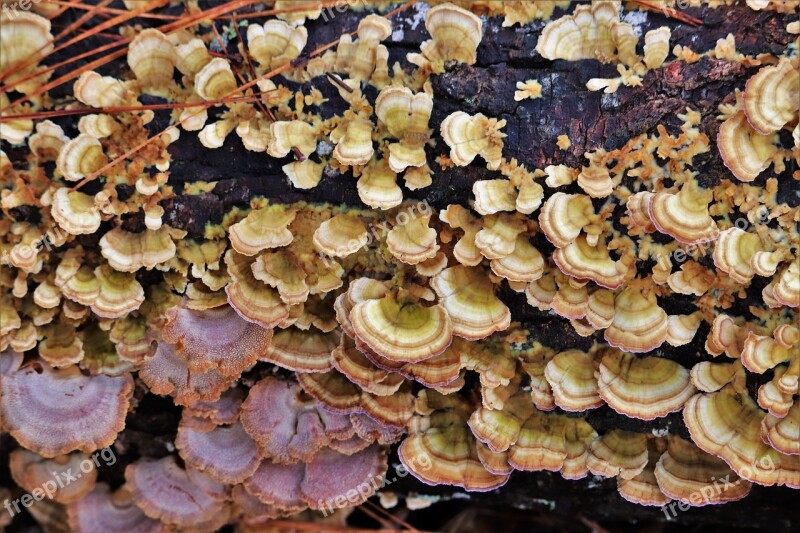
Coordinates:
[684,469]
[262,229]
[80,157]
[744,151]
[571,377]
[165,373]
[361,271]
[468,297]
[104,510]
[401,331]
[75,212]
[152,57]
[469,136]
[89,414]
[727,424]
[275,43]
[301,351]
[287,425]
[645,388]
[639,324]
[618,453]
[215,339]
[225,453]
[441,449]
[684,215]
[593,31]
[770,97]
[164,491]
[24,35]
[31,470]
[455,34]
[406,116]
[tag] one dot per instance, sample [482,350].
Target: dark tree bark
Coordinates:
[591,120]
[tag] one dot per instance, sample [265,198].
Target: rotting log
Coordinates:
[591,120]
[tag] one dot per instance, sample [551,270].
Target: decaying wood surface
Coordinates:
[591,120]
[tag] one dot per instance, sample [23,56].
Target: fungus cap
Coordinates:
[215,80]
[167,374]
[499,235]
[288,425]
[525,264]
[684,215]
[493,196]
[639,325]
[102,510]
[261,229]
[166,492]
[341,397]
[414,241]
[302,351]
[88,414]
[24,35]
[581,261]
[275,43]
[643,488]
[744,151]
[728,424]
[226,453]
[80,157]
[377,187]
[656,46]
[571,378]
[31,471]
[563,216]
[99,91]
[456,34]
[471,135]
[684,470]
[402,332]
[48,140]
[406,116]
[152,58]
[285,135]
[353,142]
[645,388]
[216,338]
[770,97]
[467,295]
[445,445]
[191,57]
[618,453]
[681,329]
[128,252]
[586,34]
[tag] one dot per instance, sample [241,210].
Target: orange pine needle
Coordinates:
[114,11]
